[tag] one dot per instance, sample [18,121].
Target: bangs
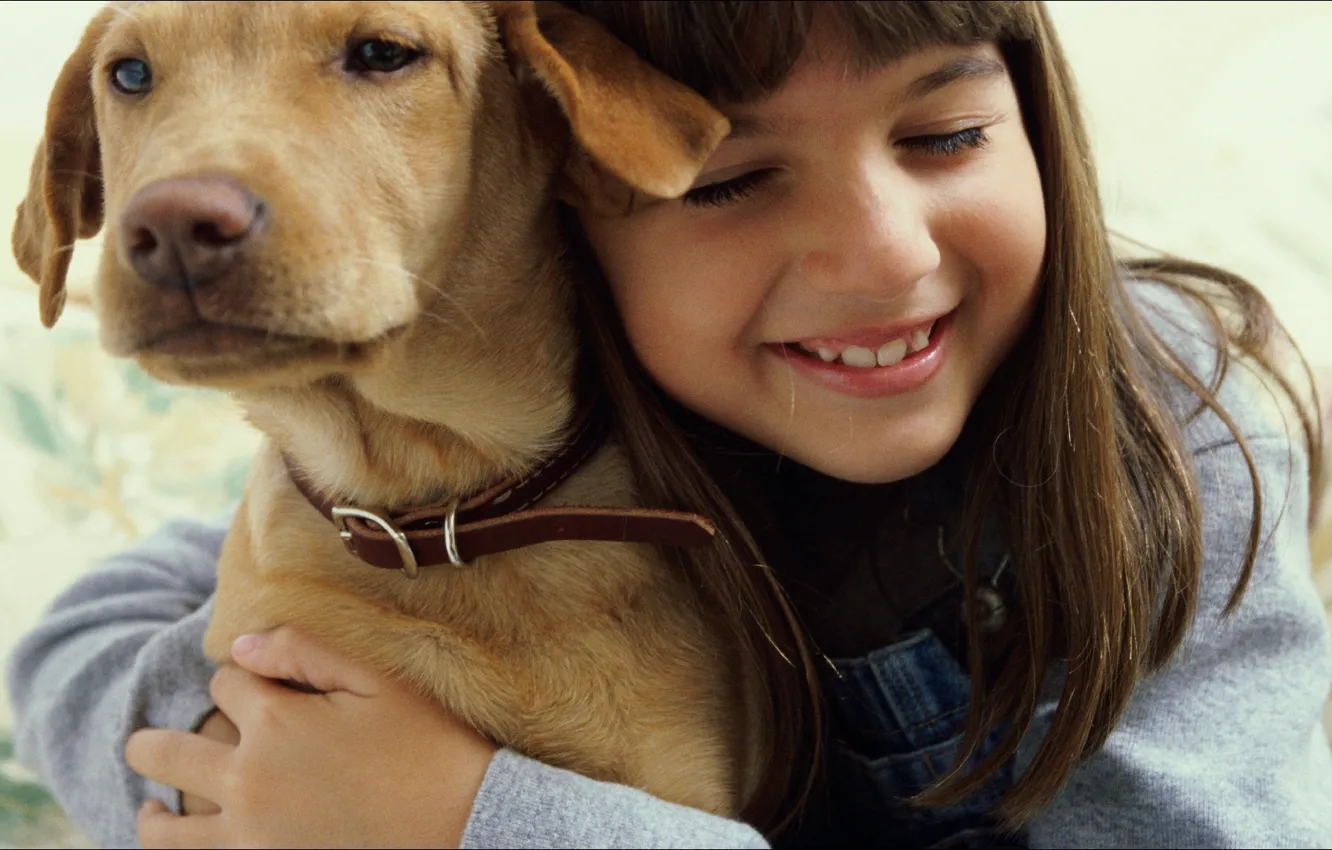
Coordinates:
[733,51]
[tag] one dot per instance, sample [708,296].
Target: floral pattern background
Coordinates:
[95,456]
[1205,149]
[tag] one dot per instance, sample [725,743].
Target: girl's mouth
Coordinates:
[873,364]
[869,353]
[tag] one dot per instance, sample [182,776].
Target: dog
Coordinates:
[344,214]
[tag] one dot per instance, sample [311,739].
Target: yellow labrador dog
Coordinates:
[343,214]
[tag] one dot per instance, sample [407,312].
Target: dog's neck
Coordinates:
[469,395]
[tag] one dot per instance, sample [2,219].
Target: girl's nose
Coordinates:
[867,232]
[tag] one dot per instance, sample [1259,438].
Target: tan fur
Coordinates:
[412,237]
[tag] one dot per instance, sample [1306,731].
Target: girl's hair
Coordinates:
[1090,475]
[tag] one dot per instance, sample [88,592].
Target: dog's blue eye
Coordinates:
[132,76]
[380,56]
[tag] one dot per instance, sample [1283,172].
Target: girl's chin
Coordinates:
[870,466]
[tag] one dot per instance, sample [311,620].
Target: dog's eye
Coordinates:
[380,56]
[132,76]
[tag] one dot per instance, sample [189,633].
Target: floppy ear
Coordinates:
[64,200]
[636,129]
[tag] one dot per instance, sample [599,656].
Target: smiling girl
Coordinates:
[1041,526]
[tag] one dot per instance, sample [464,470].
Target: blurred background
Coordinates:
[1212,124]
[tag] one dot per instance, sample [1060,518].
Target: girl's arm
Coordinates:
[121,649]
[366,760]
[524,803]
[1224,747]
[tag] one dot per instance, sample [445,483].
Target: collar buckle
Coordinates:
[409,566]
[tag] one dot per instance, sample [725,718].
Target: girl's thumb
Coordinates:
[288,655]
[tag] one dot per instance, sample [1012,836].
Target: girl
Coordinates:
[1038,530]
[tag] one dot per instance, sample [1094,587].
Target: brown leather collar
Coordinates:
[502,518]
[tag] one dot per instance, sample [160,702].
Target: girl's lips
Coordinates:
[914,372]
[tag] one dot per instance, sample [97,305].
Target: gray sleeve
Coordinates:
[1224,747]
[524,803]
[121,649]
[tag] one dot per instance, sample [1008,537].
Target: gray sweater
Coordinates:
[1222,748]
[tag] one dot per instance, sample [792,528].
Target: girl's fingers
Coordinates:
[158,827]
[183,760]
[246,698]
[288,654]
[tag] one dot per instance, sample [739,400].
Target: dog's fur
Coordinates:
[420,342]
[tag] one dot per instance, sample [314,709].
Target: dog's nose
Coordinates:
[188,231]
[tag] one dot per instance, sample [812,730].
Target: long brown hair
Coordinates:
[1079,406]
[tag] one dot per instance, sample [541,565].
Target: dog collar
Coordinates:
[501,518]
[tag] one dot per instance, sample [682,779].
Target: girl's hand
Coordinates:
[368,763]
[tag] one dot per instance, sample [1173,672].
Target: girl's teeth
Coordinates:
[892,353]
[889,354]
[861,358]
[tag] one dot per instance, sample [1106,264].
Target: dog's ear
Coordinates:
[635,129]
[64,200]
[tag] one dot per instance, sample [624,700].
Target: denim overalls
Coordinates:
[897,720]
[896,717]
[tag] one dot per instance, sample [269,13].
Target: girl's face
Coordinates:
[850,266]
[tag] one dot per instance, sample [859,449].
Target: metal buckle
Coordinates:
[409,567]
[451,535]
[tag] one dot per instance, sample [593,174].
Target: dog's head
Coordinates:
[287,188]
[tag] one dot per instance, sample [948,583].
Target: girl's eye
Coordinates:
[727,191]
[948,144]
[132,76]
[380,56]
[738,188]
